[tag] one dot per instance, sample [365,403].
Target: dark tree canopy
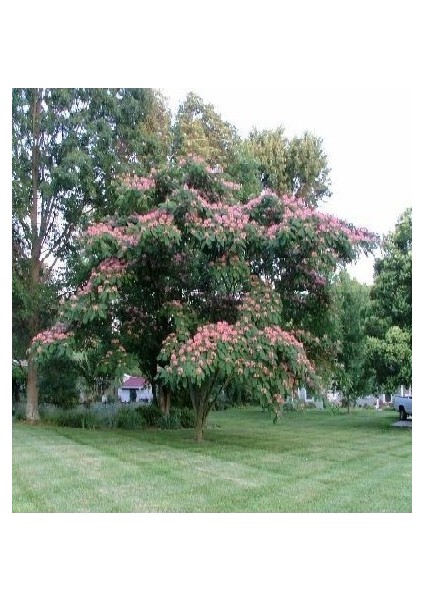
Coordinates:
[70,147]
[390,322]
[351,301]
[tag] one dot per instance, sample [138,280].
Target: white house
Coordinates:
[135,389]
[302,394]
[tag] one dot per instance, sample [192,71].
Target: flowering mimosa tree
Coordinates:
[206,290]
[254,350]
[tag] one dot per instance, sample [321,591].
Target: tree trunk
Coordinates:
[32,413]
[198,431]
[201,409]
[164,400]
[203,399]
[200,414]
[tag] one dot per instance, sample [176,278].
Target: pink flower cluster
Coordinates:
[223,217]
[155,218]
[233,220]
[261,305]
[120,234]
[159,224]
[107,268]
[208,336]
[329,223]
[196,158]
[56,333]
[231,185]
[276,335]
[134,182]
[215,170]
[112,266]
[202,348]
[99,229]
[129,235]
[322,223]
[253,352]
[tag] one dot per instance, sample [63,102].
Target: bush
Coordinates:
[77,417]
[66,417]
[187,418]
[171,421]
[90,420]
[105,414]
[19,411]
[94,417]
[177,418]
[288,407]
[110,416]
[58,383]
[150,414]
[129,418]
[335,409]
[181,399]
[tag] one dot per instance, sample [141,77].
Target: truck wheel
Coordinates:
[402,414]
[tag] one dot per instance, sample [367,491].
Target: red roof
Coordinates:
[134,383]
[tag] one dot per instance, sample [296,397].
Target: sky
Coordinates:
[367,137]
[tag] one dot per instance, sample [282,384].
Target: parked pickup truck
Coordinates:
[404,405]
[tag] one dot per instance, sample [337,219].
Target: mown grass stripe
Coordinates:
[310,462]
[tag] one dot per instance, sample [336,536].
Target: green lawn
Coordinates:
[309,462]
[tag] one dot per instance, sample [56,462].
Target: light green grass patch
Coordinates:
[308,462]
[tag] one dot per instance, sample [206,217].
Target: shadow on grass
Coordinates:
[375,419]
[249,429]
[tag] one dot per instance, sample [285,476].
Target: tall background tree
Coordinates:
[266,158]
[389,326]
[199,130]
[70,148]
[351,301]
[296,166]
